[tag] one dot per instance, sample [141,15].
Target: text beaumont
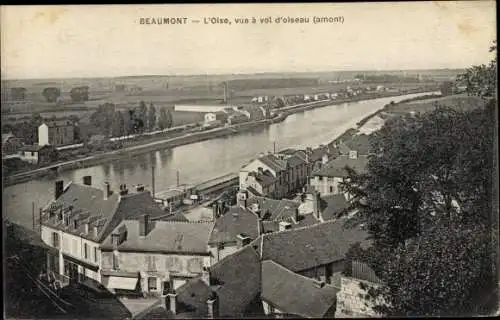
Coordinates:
[163,20]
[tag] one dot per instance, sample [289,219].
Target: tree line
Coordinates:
[117,123]
[52,94]
[427,202]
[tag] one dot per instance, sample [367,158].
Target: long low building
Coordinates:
[201,107]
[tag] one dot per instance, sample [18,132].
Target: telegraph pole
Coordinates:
[177,177]
[274,147]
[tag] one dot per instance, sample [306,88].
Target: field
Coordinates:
[459,102]
[169,90]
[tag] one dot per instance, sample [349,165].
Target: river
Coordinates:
[200,161]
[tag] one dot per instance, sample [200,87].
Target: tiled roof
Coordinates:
[334,204]
[87,205]
[273,162]
[276,209]
[264,178]
[237,220]
[318,153]
[294,294]
[236,282]
[238,279]
[336,167]
[165,236]
[304,248]
[357,142]
[295,161]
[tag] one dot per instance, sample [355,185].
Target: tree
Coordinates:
[118,126]
[280,103]
[151,117]
[142,115]
[127,121]
[446,88]
[482,80]
[165,120]
[18,93]
[102,118]
[51,94]
[79,94]
[440,274]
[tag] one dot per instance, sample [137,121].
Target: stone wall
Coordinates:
[351,301]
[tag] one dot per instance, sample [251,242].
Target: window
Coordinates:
[95,254]
[86,250]
[152,284]
[331,189]
[55,240]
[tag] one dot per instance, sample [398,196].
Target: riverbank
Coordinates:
[178,141]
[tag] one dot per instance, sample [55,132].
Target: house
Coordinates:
[255,113]
[148,257]
[230,288]
[355,285]
[326,179]
[316,251]
[80,218]
[285,293]
[212,117]
[358,143]
[56,133]
[237,117]
[36,154]
[275,175]
[252,217]
[269,277]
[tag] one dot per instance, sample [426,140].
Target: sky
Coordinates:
[109,41]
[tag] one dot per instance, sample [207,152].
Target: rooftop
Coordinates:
[336,167]
[86,204]
[295,294]
[304,248]
[165,236]
[237,220]
[272,209]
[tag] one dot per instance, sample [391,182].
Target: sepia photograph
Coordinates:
[207,161]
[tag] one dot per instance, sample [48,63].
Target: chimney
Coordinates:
[319,284]
[172,297]
[94,231]
[87,180]
[139,188]
[242,198]
[144,225]
[86,228]
[297,211]
[107,190]
[242,240]
[213,306]
[59,189]
[123,189]
[215,210]
[205,276]
[283,225]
